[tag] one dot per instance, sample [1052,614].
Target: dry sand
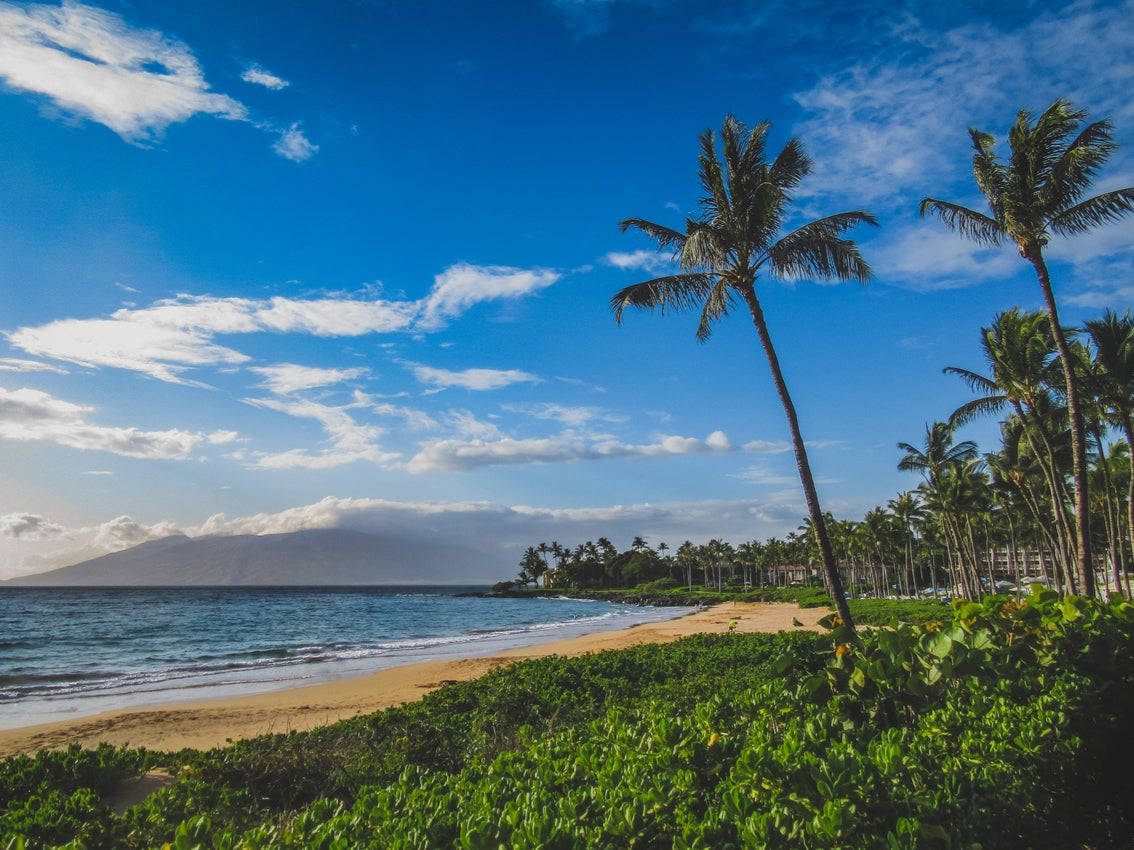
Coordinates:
[206,724]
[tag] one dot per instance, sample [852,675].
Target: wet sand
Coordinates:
[212,723]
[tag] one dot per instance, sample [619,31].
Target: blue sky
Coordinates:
[269,266]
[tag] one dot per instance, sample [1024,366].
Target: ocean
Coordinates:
[71,652]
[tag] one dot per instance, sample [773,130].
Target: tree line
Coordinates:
[976,522]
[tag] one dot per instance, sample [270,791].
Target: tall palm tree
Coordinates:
[907,508]
[737,237]
[1037,193]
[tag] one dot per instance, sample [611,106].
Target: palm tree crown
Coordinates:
[723,251]
[1039,190]
[737,237]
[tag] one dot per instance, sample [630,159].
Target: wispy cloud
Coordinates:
[471,379]
[928,256]
[450,455]
[349,441]
[294,145]
[84,62]
[651,262]
[165,340]
[763,476]
[572,416]
[90,63]
[885,130]
[287,378]
[15,364]
[172,336]
[259,76]
[28,415]
[462,285]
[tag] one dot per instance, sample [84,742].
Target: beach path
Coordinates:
[212,723]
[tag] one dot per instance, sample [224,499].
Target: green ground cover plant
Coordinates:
[1002,725]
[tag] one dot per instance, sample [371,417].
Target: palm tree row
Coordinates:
[717,564]
[1030,479]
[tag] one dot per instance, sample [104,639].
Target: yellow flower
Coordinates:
[716,736]
[841,650]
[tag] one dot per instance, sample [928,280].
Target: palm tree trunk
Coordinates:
[810,495]
[1036,436]
[1085,566]
[1128,431]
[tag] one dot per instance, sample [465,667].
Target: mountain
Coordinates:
[312,557]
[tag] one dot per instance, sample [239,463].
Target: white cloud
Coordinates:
[465,423]
[259,76]
[472,379]
[889,132]
[294,145]
[166,339]
[929,256]
[161,351]
[90,63]
[33,544]
[29,527]
[462,285]
[417,420]
[574,417]
[14,364]
[174,335]
[452,455]
[349,441]
[287,378]
[651,262]
[762,475]
[28,415]
[767,447]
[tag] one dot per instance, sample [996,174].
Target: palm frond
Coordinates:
[667,238]
[1109,206]
[716,200]
[791,166]
[672,293]
[974,380]
[816,250]
[977,408]
[704,248]
[989,173]
[1071,173]
[717,305]
[971,224]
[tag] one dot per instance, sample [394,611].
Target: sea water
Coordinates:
[69,652]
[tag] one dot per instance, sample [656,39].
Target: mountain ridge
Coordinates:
[309,557]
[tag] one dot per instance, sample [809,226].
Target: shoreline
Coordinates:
[205,724]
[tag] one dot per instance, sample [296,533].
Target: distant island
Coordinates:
[311,557]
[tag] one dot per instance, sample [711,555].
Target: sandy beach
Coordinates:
[212,723]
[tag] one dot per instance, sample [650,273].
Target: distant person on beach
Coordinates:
[732,625]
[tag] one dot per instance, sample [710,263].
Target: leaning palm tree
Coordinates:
[1037,193]
[736,238]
